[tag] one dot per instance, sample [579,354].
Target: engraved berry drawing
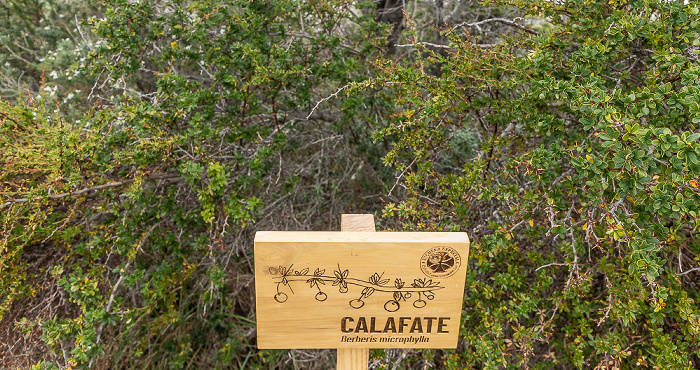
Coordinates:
[421,290]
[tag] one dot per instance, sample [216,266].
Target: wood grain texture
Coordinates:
[352,238]
[358,289]
[357,222]
[354,358]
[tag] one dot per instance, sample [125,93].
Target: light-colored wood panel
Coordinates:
[393,237]
[359,289]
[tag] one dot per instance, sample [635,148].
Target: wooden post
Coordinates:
[354,358]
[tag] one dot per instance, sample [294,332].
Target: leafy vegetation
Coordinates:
[143,143]
[581,189]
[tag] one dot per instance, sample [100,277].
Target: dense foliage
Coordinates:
[143,142]
[129,228]
[572,156]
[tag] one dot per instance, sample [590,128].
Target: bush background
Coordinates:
[144,142]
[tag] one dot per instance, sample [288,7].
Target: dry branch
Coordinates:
[85,190]
[508,22]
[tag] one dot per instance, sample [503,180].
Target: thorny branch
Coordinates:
[86,190]
[334,95]
[508,22]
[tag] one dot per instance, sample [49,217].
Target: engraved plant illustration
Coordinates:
[421,290]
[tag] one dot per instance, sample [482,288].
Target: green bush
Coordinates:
[571,157]
[198,108]
[565,143]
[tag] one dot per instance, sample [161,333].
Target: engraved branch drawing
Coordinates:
[420,289]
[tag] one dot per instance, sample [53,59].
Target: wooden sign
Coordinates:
[359,289]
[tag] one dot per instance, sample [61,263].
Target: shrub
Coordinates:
[571,156]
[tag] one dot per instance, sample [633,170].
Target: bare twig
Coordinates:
[439,46]
[109,306]
[610,303]
[425,43]
[508,22]
[305,35]
[401,175]
[549,264]
[83,191]
[334,95]
[688,271]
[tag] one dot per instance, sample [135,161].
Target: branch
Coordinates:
[401,175]
[82,191]
[439,46]
[423,43]
[309,37]
[688,271]
[334,95]
[551,264]
[512,23]
[3,115]
[361,283]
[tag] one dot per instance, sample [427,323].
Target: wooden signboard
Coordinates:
[359,289]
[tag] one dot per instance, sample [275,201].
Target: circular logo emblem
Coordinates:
[440,262]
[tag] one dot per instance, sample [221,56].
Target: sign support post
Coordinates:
[354,358]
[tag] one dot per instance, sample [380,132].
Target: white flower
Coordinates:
[51,90]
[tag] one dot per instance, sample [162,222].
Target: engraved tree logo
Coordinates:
[440,262]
